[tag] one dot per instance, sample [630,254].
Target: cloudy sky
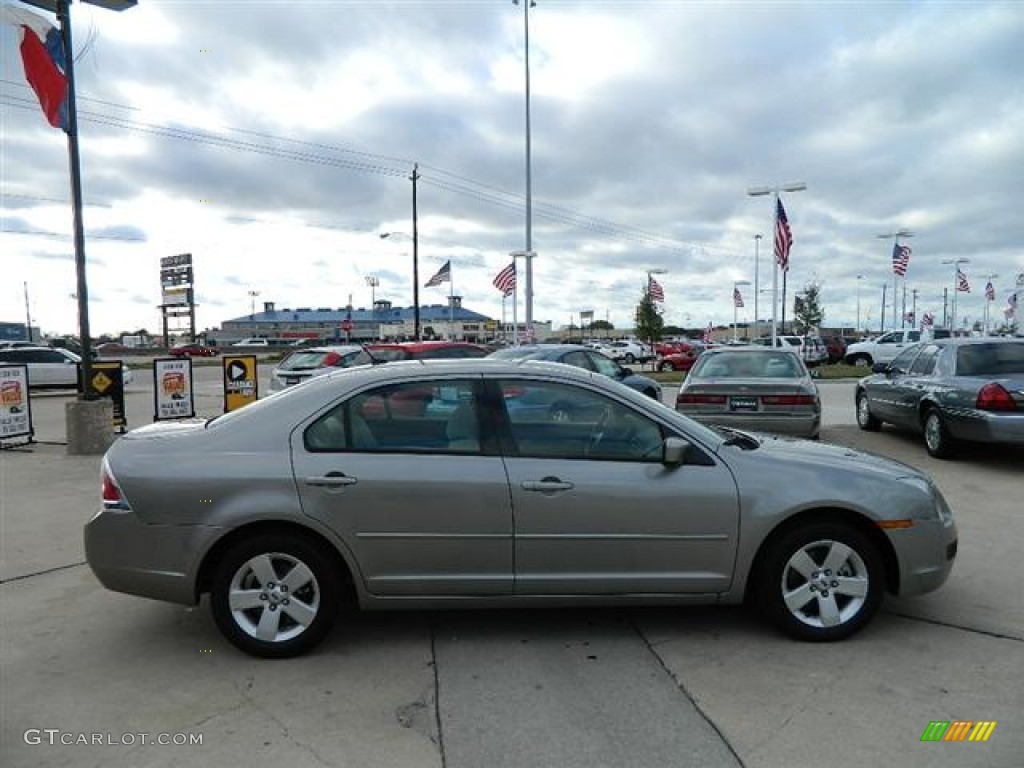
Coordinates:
[274,141]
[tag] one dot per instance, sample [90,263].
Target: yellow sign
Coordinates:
[101,382]
[240,382]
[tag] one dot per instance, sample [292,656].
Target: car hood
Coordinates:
[811,453]
[640,383]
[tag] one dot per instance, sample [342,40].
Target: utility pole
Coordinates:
[913,309]
[945,298]
[415,258]
[28,316]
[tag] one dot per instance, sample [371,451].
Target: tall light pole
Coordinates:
[895,237]
[757,289]
[252,304]
[736,301]
[373,281]
[859,278]
[956,274]
[528,251]
[793,186]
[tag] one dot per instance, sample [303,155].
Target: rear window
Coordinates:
[308,361]
[990,359]
[739,365]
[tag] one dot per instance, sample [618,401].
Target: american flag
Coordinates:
[444,275]
[990,292]
[783,237]
[1011,306]
[961,282]
[654,289]
[706,337]
[737,297]
[900,259]
[909,317]
[505,281]
[927,320]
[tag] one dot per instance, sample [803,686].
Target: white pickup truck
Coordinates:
[884,349]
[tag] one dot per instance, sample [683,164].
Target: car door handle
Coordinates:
[547,485]
[331,480]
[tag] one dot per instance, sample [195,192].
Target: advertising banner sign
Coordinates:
[15,410]
[240,384]
[173,396]
[108,381]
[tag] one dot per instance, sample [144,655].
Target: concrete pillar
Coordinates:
[90,426]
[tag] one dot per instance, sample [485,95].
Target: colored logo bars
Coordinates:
[958,730]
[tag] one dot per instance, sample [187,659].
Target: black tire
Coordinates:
[664,365]
[937,440]
[304,611]
[841,599]
[861,361]
[629,358]
[865,419]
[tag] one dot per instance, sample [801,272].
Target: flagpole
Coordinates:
[775,275]
[451,305]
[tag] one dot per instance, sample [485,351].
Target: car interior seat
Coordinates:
[462,429]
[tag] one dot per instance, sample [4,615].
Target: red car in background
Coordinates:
[194,350]
[683,359]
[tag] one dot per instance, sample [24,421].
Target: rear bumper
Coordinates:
[986,427]
[156,561]
[801,425]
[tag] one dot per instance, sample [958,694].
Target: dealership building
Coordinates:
[382,321]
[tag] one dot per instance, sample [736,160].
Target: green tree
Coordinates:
[807,308]
[600,325]
[649,322]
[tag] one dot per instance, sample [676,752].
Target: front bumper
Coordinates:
[925,554]
[156,561]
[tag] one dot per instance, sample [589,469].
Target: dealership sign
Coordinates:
[173,396]
[240,386]
[15,411]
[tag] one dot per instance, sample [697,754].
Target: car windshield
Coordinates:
[990,359]
[747,365]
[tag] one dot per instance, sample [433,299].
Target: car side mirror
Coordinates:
[674,451]
[881,368]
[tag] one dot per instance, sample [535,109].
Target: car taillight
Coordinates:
[788,399]
[112,496]
[332,358]
[701,399]
[993,397]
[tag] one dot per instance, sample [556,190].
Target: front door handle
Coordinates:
[547,485]
[330,480]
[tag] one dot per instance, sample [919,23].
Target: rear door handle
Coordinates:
[547,485]
[330,480]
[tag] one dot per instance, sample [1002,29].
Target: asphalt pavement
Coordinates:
[583,687]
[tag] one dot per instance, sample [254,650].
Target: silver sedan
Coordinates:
[453,484]
[767,390]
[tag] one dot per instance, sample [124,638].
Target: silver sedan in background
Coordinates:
[951,390]
[765,390]
[357,487]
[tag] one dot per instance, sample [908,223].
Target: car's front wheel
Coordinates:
[865,419]
[861,361]
[630,359]
[665,365]
[275,596]
[821,582]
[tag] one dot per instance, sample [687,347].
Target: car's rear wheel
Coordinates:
[821,582]
[861,361]
[275,596]
[865,419]
[937,439]
[630,359]
[665,365]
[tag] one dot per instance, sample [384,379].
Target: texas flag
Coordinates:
[42,52]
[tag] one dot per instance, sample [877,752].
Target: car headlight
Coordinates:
[938,508]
